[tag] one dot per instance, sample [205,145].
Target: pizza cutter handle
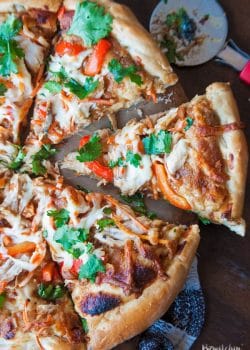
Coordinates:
[245,73]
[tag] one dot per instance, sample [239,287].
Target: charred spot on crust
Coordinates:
[96,304]
[143,275]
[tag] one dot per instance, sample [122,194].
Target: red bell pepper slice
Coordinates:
[96,59]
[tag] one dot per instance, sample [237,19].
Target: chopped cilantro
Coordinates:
[3,89]
[10,50]
[2,300]
[107,211]
[69,236]
[82,91]
[50,291]
[171,47]
[137,203]
[45,152]
[102,223]
[90,22]
[53,86]
[17,162]
[119,72]
[90,269]
[158,144]
[61,217]
[189,122]
[205,221]
[118,162]
[91,150]
[84,325]
[133,158]
[63,80]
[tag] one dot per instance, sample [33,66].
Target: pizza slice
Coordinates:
[195,157]
[123,270]
[26,28]
[22,246]
[36,313]
[103,61]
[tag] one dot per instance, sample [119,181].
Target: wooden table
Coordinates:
[224,258]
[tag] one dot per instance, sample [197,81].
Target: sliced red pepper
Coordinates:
[101,170]
[85,139]
[96,59]
[95,166]
[76,266]
[65,47]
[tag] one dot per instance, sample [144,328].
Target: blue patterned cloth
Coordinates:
[183,321]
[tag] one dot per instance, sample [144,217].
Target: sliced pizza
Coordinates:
[103,61]
[22,246]
[123,270]
[26,28]
[36,313]
[194,156]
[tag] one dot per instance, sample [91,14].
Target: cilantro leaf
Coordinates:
[90,22]
[53,86]
[138,205]
[91,150]
[90,269]
[133,158]
[2,300]
[107,211]
[190,122]
[205,221]
[69,236]
[10,28]
[18,160]
[102,223]
[9,48]
[171,47]
[115,163]
[84,325]
[60,75]
[158,144]
[119,72]
[50,292]
[61,217]
[45,152]
[3,89]
[82,91]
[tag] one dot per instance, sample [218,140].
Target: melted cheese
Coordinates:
[176,159]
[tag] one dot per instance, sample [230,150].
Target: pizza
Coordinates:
[81,270]
[114,261]
[194,156]
[37,313]
[26,29]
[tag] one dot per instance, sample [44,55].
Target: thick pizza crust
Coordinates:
[232,144]
[133,317]
[135,38]
[20,5]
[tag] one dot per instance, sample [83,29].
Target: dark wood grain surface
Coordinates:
[224,258]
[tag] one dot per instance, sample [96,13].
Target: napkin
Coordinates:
[183,322]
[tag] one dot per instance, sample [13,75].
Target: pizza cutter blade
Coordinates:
[200,35]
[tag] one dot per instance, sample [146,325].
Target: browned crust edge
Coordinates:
[136,39]
[135,316]
[232,143]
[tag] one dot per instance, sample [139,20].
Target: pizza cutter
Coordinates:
[204,29]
